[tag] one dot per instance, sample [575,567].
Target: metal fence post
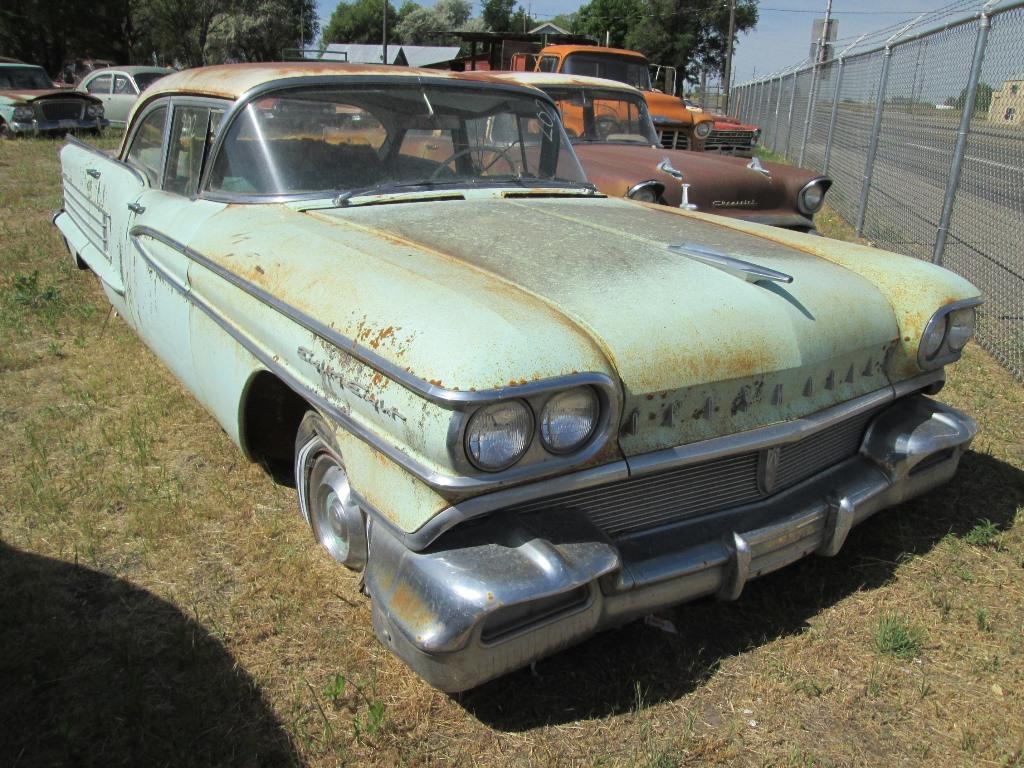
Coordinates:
[778,108]
[961,138]
[876,127]
[789,119]
[810,108]
[832,118]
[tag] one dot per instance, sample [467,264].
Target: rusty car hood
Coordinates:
[723,185]
[26,97]
[700,352]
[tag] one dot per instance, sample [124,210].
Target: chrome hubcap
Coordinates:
[334,514]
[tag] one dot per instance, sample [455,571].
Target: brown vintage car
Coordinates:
[617,145]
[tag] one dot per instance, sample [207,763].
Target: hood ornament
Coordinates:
[755,165]
[665,166]
[745,270]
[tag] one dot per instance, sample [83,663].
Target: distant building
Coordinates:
[431,56]
[833,33]
[547,28]
[1007,105]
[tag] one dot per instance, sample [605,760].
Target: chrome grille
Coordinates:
[677,494]
[672,139]
[729,140]
[62,110]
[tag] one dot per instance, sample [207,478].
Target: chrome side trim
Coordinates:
[71,140]
[449,398]
[436,480]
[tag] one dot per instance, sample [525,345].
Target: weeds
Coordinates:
[984,534]
[897,637]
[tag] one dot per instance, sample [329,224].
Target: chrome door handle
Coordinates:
[136,208]
[93,172]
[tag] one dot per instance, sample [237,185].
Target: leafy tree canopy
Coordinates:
[433,26]
[359,22]
[614,18]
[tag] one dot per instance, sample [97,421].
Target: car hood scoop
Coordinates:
[698,351]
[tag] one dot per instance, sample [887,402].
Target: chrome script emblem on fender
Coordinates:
[768,469]
[734,203]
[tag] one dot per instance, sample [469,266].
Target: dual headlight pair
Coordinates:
[946,334]
[499,435]
[24,113]
[94,110]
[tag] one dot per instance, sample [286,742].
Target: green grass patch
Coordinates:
[896,636]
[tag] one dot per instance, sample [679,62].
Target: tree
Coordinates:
[359,22]
[613,18]
[982,98]
[567,21]
[689,34]
[259,30]
[497,14]
[433,26]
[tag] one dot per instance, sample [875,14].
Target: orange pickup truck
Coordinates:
[677,126]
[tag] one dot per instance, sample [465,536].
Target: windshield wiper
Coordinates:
[382,188]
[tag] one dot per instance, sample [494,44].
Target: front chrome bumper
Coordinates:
[36,126]
[495,594]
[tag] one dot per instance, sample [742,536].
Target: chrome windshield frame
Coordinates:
[290,83]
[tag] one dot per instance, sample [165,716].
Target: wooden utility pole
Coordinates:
[822,50]
[728,53]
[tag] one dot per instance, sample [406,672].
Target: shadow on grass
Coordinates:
[96,671]
[603,675]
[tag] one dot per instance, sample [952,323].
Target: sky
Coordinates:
[783,34]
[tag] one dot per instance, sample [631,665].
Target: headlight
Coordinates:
[811,196]
[568,419]
[960,328]
[94,110]
[947,333]
[24,113]
[703,129]
[498,435]
[934,336]
[646,191]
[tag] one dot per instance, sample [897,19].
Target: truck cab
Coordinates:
[677,126]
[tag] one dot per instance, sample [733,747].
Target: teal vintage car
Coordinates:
[31,106]
[524,410]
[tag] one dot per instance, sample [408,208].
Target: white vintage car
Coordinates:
[526,411]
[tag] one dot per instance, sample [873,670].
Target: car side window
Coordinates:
[190,127]
[123,86]
[147,145]
[100,84]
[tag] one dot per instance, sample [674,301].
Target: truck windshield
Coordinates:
[336,139]
[24,79]
[624,69]
[606,116]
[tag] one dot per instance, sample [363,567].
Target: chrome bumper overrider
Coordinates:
[495,594]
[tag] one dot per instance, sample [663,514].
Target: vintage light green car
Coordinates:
[119,87]
[526,411]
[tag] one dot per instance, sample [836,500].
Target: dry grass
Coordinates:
[161,602]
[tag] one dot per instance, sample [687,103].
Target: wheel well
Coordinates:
[271,414]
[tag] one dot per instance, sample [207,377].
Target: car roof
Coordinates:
[230,81]
[565,50]
[133,69]
[540,79]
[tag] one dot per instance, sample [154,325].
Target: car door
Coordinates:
[161,222]
[120,101]
[99,85]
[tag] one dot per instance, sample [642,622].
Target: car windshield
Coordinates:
[626,70]
[607,116]
[353,138]
[146,79]
[24,79]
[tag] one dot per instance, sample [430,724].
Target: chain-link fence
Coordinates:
[924,139]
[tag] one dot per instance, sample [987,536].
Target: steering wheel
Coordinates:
[607,125]
[502,154]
